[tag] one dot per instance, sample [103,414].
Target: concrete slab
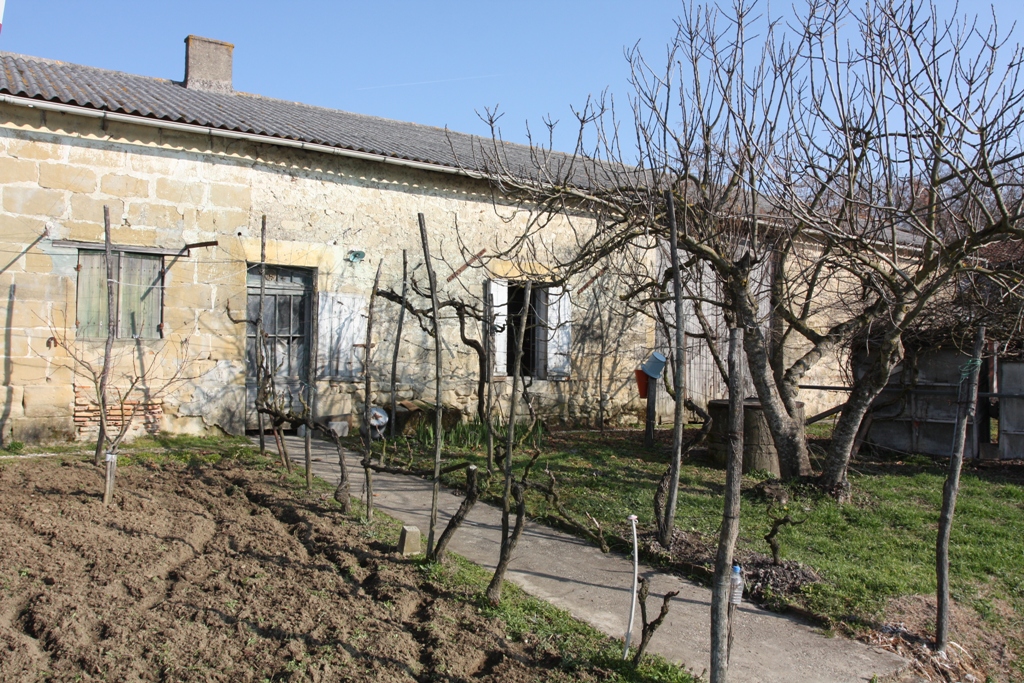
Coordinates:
[595,587]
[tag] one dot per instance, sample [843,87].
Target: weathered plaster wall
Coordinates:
[168,189]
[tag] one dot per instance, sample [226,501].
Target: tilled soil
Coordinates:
[222,574]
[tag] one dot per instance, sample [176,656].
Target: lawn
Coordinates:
[868,554]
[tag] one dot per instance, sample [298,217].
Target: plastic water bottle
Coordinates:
[736,585]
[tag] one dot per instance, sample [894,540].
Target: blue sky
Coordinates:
[436,63]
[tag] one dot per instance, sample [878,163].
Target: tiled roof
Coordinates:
[157,98]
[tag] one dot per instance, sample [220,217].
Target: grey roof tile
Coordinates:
[158,98]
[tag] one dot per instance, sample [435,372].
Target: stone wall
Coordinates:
[169,189]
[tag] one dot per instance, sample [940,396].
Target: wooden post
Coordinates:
[679,380]
[367,389]
[311,349]
[489,353]
[652,411]
[259,336]
[438,406]
[398,344]
[966,409]
[108,348]
[730,515]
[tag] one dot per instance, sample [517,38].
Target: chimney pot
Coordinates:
[208,65]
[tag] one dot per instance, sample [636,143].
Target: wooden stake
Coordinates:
[730,515]
[489,352]
[438,407]
[679,380]
[652,411]
[367,389]
[398,344]
[310,412]
[259,337]
[965,413]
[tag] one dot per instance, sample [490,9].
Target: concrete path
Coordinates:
[577,577]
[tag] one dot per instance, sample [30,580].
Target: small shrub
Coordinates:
[15,447]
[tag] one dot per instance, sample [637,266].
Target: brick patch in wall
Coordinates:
[145,415]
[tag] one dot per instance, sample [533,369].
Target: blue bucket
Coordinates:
[654,365]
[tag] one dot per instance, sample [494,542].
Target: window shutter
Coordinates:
[559,333]
[499,296]
[140,296]
[342,322]
[92,295]
[541,332]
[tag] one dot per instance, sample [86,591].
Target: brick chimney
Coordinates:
[208,65]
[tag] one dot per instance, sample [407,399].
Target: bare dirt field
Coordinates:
[227,574]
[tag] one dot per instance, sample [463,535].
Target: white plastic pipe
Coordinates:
[632,601]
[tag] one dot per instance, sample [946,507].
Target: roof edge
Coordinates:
[90,112]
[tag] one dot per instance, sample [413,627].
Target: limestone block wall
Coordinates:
[169,189]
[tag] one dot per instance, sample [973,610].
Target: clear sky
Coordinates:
[436,63]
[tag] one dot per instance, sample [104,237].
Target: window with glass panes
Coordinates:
[138,279]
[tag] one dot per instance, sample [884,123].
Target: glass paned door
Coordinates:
[286,334]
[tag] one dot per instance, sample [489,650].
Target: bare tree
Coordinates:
[108,347]
[824,192]
[512,490]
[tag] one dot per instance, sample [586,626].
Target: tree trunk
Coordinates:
[108,347]
[438,407]
[472,494]
[342,493]
[730,516]
[965,413]
[787,428]
[865,390]
[666,525]
[508,542]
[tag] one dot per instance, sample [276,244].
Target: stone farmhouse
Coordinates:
[188,170]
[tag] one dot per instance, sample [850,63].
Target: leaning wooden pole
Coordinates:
[367,395]
[965,413]
[667,526]
[108,348]
[398,346]
[438,408]
[730,515]
[259,336]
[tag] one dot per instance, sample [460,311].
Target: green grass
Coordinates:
[193,450]
[879,547]
[581,646]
